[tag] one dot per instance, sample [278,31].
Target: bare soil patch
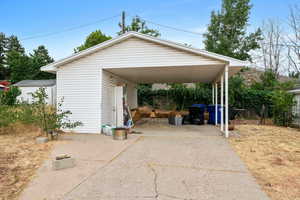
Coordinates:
[272,154]
[20,157]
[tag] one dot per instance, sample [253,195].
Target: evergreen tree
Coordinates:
[227,34]
[139,25]
[3,71]
[39,58]
[14,50]
[92,39]
[13,44]
[20,66]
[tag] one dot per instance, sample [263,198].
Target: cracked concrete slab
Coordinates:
[91,153]
[173,165]
[163,163]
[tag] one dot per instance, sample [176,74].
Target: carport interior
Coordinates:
[217,75]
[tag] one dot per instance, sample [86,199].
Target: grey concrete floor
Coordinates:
[165,162]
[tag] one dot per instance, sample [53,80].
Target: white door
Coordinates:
[118,113]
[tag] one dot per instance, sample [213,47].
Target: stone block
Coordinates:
[63,163]
[41,140]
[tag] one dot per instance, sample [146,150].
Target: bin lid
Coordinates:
[198,105]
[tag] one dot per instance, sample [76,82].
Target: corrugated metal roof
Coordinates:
[36,83]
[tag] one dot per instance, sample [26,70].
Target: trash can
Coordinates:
[178,120]
[212,114]
[120,134]
[196,114]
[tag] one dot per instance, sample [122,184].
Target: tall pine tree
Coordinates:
[13,54]
[3,70]
[39,58]
[20,66]
[227,31]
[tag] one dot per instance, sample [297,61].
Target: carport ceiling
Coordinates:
[174,74]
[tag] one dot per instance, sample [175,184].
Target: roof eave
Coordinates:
[53,66]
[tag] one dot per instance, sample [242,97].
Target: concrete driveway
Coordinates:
[188,162]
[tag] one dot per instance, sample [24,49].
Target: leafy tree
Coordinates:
[139,25]
[227,34]
[93,39]
[39,58]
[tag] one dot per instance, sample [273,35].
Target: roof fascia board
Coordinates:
[224,59]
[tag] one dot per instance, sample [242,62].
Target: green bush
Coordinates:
[38,113]
[9,97]
[267,98]
[282,107]
[179,94]
[8,116]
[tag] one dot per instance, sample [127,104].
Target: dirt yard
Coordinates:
[272,154]
[20,157]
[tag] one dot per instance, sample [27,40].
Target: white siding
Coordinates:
[109,81]
[27,91]
[79,82]
[296,110]
[135,52]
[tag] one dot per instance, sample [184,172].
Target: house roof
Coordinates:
[36,83]
[232,62]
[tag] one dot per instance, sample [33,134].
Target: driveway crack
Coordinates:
[154,181]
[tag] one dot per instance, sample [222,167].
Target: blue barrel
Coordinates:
[212,114]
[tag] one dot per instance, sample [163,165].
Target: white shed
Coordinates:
[89,80]
[296,107]
[28,87]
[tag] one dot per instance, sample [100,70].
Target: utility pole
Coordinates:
[123,22]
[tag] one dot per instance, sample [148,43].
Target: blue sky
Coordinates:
[26,18]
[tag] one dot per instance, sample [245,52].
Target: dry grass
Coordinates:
[20,157]
[272,154]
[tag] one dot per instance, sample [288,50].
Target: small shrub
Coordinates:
[47,117]
[282,107]
[9,97]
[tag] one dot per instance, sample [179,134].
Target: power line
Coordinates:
[68,29]
[173,28]
[196,33]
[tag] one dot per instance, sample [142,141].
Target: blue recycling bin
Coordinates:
[212,114]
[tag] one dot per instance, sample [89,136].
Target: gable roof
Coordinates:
[36,83]
[227,60]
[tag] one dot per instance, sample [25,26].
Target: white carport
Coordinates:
[214,74]
[139,58]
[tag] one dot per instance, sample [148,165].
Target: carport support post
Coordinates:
[222,102]
[216,104]
[213,93]
[226,102]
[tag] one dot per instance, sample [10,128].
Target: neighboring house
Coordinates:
[296,107]
[250,76]
[95,82]
[28,87]
[165,86]
[4,85]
